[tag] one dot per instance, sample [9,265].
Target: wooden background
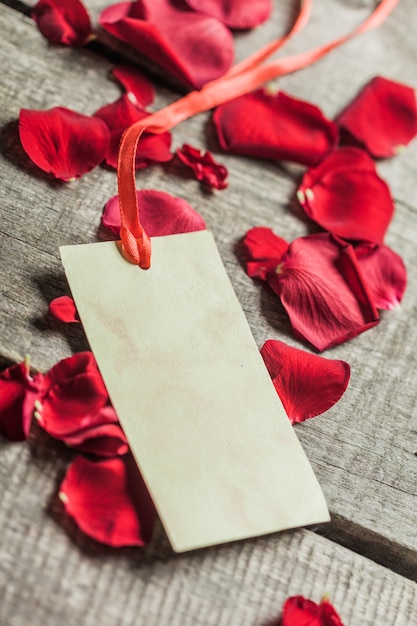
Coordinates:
[364,450]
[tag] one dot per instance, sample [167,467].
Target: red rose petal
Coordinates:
[298,611]
[345,196]
[103,436]
[63,21]
[382,118]
[238,14]
[109,501]
[160,214]
[297,375]
[64,309]
[205,168]
[138,87]
[384,272]
[121,114]
[73,395]
[62,142]
[193,47]
[18,393]
[322,289]
[277,126]
[264,249]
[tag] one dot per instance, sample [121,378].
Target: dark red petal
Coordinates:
[382,118]
[297,375]
[63,21]
[384,272]
[238,14]
[298,611]
[123,113]
[345,196]
[264,251]
[261,124]
[322,289]
[64,309]
[99,496]
[18,393]
[205,168]
[193,47]
[138,87]
[160,214]
[62,142]
[73,395]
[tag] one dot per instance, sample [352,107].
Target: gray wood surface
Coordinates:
[363,450]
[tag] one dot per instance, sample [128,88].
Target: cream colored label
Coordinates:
[208,431]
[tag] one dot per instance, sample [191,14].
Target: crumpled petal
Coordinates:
[297,375]
[138,87]
[384,272]
[264,250]
[382,118]
[64,309]
[193,47]
[321,287]
[73,395]
[205,168]
[345,196]
[108,500]
[160,214]
[119,115]
[18,393]
[102,437]
[63,21]
[236,14]
[62,142]
[298,611]
[275,126]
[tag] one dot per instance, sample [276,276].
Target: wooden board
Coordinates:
[363,450]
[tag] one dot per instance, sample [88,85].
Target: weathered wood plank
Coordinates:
[48,577]
[363,449]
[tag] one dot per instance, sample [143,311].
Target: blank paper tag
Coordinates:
[208,431]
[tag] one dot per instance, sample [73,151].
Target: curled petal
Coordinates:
[264,251]
[382,118]
[299,611]
[323,291]
[18,393]
[275,126]
[63,21]
[72,396]
[297,375]
[193,47]
[121,114]
[62,142]
[237,14]
[138,87]
[205,168]
[160,214]
[102,437]
[109,501]
[64,309]
[384,272]
[345,196]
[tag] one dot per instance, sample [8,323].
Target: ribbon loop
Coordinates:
[239,80]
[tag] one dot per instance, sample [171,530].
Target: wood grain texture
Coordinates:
[50,577]
[363,450]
